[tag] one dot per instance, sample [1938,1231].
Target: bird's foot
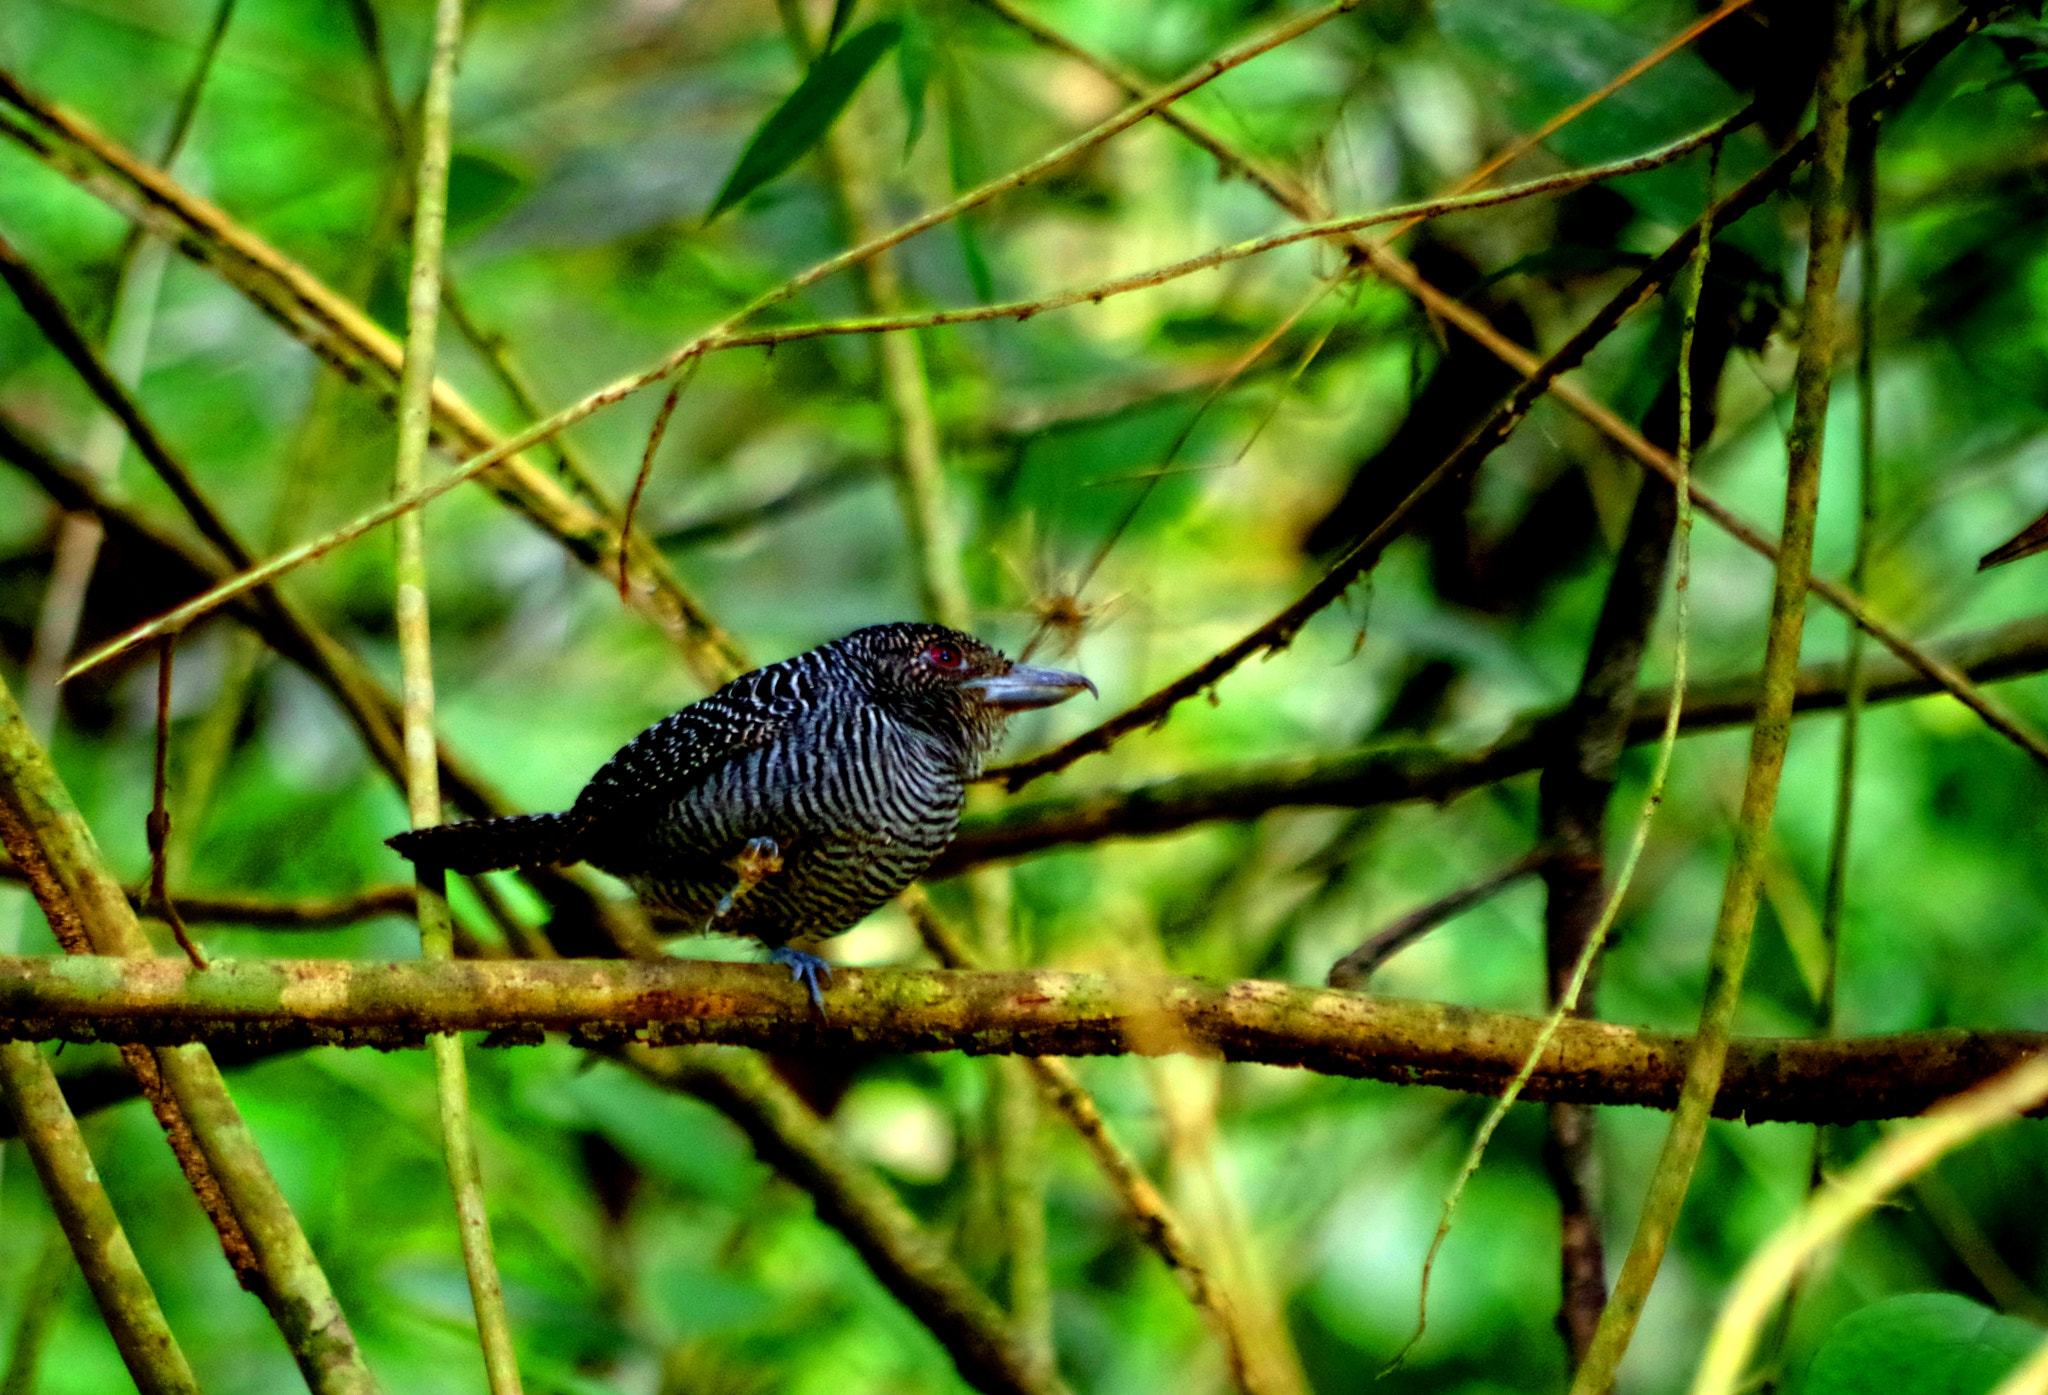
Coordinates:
[759,860]
[804,968]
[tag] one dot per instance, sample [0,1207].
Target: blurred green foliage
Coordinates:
[644,1249]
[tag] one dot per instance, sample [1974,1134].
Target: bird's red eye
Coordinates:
[944,656]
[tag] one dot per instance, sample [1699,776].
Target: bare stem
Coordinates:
[1730,949]
[422,766]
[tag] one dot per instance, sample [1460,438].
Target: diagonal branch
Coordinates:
[374,710]
[1903,76]
[356,347]
[126,1301]
[87,910]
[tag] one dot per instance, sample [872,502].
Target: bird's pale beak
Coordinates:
[1022,688]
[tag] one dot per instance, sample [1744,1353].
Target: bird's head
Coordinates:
[953,685]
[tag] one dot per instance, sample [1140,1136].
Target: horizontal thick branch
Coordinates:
[1397,774]
[1038,1013]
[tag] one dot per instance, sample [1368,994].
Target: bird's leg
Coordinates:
[759,860]
[804,968]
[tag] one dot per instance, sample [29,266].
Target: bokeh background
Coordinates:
[644,1248]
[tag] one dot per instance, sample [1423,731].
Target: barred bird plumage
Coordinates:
[791,802]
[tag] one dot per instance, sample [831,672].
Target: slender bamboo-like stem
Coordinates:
[118,1286]
[1854,1195]
[1729,954]
[422,766]
[1855,679]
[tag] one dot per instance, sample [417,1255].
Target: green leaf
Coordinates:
[916,56]
[479,188]
[807,113]
[842,14]
[1919,1344]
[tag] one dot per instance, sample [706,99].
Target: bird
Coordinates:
[789,803]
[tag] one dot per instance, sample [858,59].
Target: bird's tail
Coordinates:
[520,840]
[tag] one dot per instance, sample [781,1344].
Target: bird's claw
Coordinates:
[804,968]
[759,860]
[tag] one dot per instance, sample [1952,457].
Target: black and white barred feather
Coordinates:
[854,758]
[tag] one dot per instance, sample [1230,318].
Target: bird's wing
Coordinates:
[659,765]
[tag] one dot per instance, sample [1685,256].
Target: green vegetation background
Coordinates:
[643,1247]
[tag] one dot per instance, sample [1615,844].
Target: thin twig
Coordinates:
[1729,953]
[157,828]
[654,435]
[1355,970]
[415,646]
[1863,152]
[1566,995]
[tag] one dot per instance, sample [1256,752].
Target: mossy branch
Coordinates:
[295,1002]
